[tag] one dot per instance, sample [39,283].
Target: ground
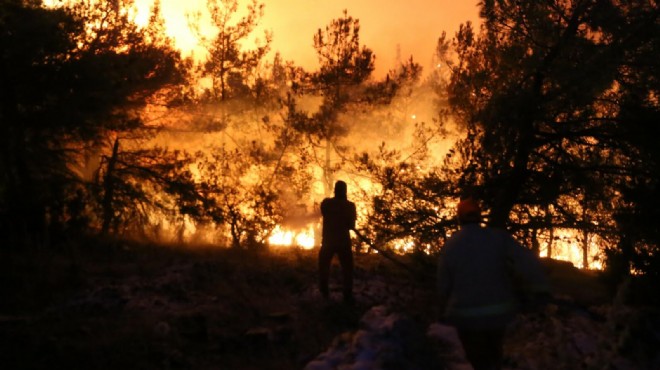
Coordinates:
[120,305]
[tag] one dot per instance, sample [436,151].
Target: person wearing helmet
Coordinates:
[339,215]
[479,269]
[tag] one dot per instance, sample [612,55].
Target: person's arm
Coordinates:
[528,271]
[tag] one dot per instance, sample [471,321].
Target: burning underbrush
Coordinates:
[109,305]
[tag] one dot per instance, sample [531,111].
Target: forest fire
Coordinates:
[229,151]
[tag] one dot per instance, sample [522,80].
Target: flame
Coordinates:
[405,245]
[303,238]
[568,246]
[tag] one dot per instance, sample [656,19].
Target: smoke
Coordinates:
[413,25]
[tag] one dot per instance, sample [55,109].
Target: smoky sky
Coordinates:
[391,29]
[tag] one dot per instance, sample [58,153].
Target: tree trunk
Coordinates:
[585,249]
[507,197]
[551,240]
[327,171]
[108,190]
[585,237]
[536,248]
[234,227]
[551,237]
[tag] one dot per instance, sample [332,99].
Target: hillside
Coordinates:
[130,306]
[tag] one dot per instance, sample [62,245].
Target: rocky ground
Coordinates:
[121,306]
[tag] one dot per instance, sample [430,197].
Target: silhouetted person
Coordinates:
[339,216]
[479,270]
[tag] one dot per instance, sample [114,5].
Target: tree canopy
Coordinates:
[68,80]
[543,90]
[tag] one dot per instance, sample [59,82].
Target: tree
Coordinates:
[408,192]
[135,185]
[409,203]
[344,66]
[537,91]
[230,64]
[240,169]
[67,79]
[239,200]
[636,28]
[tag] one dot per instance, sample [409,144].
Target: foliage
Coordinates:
[344,67]
[343,60]
[410,197]
[541,91]
[230,65]
[237,196]
[556,103]
[409,204]
[137,183]
[241,172]
[69,76]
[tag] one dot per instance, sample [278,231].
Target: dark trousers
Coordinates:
[483,348]
[345,256]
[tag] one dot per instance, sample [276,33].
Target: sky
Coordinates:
[411,26]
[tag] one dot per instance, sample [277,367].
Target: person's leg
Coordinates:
[325,258]
[346,260]
[483,348]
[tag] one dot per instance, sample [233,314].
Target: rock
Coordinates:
[385,340]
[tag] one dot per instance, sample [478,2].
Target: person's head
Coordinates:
[340,190]
[468,211]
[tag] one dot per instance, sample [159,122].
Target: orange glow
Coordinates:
[403,245]
[394,32]
[567,246]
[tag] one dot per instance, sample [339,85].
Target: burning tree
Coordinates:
[238,196]
[229,64]
[411,195]
[345,66]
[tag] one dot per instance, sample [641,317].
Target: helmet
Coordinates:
[468,210]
